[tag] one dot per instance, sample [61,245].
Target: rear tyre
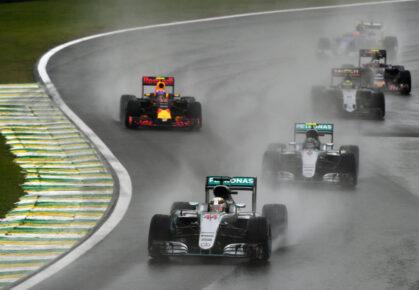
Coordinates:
[188,99]
[181,205]
[379,104]
[405,81]
[270,163]
[160,231]
[268,171]
[259,232]
[277,216]
[391,45]
[123,106]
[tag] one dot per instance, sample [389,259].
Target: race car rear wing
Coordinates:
[372,25]
[153,81]
[379,53]
[322,128]
[233,183]
[353,73]
[343,72]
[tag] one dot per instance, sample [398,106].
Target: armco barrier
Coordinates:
[68,188]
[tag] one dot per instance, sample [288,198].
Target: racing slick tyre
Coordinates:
[160,231]
[123,106]
[379,103]
[132,109]
[277,216]
[181,205]
[259,232]
[195,112]
[391,45]
[188,99]
[405,82]
[268,171]
[348,170]
[351,149]
[270,163]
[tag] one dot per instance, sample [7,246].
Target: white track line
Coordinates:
[125,190]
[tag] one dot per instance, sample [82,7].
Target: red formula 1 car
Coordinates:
[381,75]
[160,108]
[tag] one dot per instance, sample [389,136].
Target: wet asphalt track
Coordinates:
[253,76]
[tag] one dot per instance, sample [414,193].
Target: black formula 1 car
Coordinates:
[380,75]
[199,229]
[311,160]
[348,96]
[366,34]
[160,108]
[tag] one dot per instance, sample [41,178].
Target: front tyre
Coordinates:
[195,112]
[133,109]
[348,170]
[160,231]
[123,106]
[259,233]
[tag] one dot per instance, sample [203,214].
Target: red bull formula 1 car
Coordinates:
[160,108]
[380,75]
[218,227]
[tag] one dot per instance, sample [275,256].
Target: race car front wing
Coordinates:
[327,178]
[236,250]
[143,122]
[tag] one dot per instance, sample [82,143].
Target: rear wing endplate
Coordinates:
[234,183]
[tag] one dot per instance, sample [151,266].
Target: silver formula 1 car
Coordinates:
[311,160]
[220,226]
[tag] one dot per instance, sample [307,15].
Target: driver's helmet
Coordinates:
[347,84]
[375,60]
[312,140]
[360,28]
[218,204]
[160,90]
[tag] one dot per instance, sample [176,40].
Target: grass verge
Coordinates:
[10,179]
[29,28]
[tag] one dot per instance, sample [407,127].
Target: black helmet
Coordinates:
[312,134]
[222,191]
